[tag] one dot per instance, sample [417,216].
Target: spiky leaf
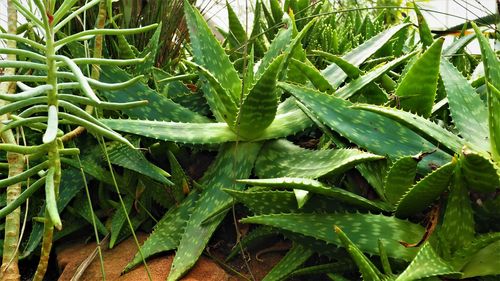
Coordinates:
[417,90]
[419,124]
[294,258]
[480,172]
[168,231]
[424,192]
[132,159]
[233,161]
[457,229]
[158,108]
[427,263]
[368,270]
[484,262]
[317,187]
[259,106]
[468,111]
[119,219]
[209,53]
[335,75]
[363,230]
[376,133]
[283,159]
[492,75]
[400,178]
[196,133]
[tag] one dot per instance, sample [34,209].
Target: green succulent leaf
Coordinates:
[218,97]
[467,253]
[168,231]
[354,86]
[458,227]
[119,219]
[132,159]
[278,45]
[427,263]
[179,178]
[423,28]
[364,230]
[423,193]
[289,120]
[209,53]
[376,133]
[480,172]
[233,161]
[149,53]
[236,35]
[195,133]
[374,172]
[266,201]
[400,178]
[492,75]
[484,262]
[418,124]
[368,270]
[468,111]
[316,187]
[281,158]
[294,258]
[158,108]
[259,106]
[313,74]
[417,90]
[335,75]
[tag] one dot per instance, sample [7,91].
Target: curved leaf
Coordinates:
[417,90]
[374,132]
[468,111]
[195,133]
[281,158]
[423,193]
[363,229]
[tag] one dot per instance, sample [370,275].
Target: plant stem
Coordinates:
[10,269]
[53,150]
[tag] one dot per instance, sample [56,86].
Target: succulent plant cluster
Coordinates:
[399,184]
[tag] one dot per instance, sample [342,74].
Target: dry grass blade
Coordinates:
[86,263]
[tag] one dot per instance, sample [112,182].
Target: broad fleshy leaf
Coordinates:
[368,270]
[374,132]
[195,133]
[233,162]
[259,106]
[492,75]
[423,193]
[209,53]
[480,172]
[281,158]
[168,231]
[458,227]
[468,111]
[158,108]
[427,263]
[417,90]
[419,124]
[316,187]
[400,178]
[132,159]
[364,230]
[294,258]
